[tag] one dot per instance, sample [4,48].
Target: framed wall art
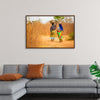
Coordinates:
[50,31]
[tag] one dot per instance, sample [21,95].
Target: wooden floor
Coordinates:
[59,97]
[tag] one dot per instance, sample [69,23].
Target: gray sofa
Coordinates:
[57,79]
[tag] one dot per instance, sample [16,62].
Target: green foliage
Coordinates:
[71,35]
[98,75]
[93,67]
[59,17]
[94,70]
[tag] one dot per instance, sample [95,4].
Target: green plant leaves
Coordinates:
[59,17]
[93,67]
[94,70]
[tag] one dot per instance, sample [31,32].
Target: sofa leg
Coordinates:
[98,96]
[95,96]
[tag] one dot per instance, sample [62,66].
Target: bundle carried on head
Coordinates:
[53,21]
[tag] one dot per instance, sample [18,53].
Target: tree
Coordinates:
[59,18]
[68,19]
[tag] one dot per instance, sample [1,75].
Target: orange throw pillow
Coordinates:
[10,77]
[35,71]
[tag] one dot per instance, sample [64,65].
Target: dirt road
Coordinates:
[56,44]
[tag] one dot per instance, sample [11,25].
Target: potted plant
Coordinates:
[94,70]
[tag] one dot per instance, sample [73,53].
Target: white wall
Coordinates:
[12,31]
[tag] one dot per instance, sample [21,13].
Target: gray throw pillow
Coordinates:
[53,71]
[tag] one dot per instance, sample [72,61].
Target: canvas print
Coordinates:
[50,31]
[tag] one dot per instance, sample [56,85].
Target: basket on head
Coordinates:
[52,21]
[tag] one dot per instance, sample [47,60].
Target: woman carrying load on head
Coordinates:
[52,30]
[60,32]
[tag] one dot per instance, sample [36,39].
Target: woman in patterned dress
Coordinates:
[60,32]
[52,30]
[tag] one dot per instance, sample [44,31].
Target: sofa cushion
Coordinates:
[70,71]
[84,71]
[10,68]
[61,90]
[15,96]
[45,71]
[22,69]
[61,83]
[10,87]
[54,71]
[99,91]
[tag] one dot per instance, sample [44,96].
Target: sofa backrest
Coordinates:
[76,71]
[10,68]
[23,69]
[16,68]
[52,71]
[49,71]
